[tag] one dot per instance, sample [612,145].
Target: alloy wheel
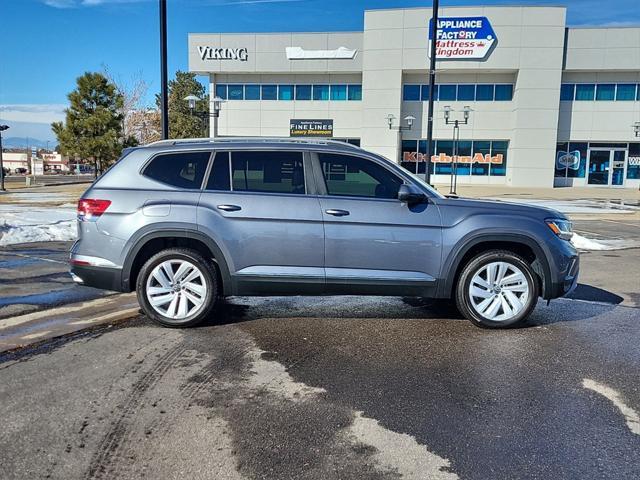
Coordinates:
[176,289]
[499,291]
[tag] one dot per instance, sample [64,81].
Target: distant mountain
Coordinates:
[21,142]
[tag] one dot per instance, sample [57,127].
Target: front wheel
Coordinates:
[497,289]
[177,287]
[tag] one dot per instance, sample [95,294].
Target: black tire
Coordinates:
[463,297]
[209,277]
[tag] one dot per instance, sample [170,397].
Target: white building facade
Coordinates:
[550,105]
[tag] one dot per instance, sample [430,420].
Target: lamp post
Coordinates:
[466,110]
[217,106]
[2,129]
[409,119]
[636,129]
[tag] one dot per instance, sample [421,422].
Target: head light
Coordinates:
[561,227]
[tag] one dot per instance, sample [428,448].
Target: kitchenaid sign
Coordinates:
[461,38]
[211,53]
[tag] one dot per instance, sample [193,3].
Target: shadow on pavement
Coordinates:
[595,294]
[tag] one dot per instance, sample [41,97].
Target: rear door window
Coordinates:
[180,169]
[350,176]
[267,171]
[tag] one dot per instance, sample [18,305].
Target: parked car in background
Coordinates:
[186,222]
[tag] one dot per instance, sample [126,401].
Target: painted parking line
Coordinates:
[631,416]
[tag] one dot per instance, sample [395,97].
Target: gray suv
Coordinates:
[187,222]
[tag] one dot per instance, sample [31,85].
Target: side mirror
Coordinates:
[411,194]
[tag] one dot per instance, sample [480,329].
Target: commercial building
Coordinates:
[550,105]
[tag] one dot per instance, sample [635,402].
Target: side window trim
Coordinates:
[207,170]
[322,183]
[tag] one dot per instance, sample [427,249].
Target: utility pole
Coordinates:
[164,96]
[432,88]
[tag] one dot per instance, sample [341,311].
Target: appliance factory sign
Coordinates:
[463,38]
[311,128]
[211,53]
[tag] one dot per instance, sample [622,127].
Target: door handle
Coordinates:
[337,213]
[229,208]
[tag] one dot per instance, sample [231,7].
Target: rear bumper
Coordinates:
[98,277]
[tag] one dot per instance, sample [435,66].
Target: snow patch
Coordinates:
[25,224]
[584,243]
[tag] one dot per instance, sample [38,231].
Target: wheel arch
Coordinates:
[147,244]
[520,244]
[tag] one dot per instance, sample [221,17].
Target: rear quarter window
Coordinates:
[181,170]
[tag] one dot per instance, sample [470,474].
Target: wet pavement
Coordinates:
[328,388]
[35,276]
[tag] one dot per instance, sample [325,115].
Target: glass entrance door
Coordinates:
[606,167]
[617,167]
[599,163]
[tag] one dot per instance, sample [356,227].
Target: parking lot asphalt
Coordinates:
[324,388]
[34,276]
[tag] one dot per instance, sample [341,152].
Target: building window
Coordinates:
[498,165]
[303,92]
[446,92]
[425,92]
[571,159]
[567,91]
[221,91]
[585,91]
[236,92]
[321,92]
[484,149]
[355,92]
[411,93]
[466,92]
[252,92]
[605,91]
[338,92]
[285,92]
[269,92]
[484,93]
[504,93]
[626,91]
[633,162]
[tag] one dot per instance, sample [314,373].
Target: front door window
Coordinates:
[617,168]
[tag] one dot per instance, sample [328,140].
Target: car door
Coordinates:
[374,243]
[257,207]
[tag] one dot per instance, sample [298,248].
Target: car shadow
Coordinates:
[595,294]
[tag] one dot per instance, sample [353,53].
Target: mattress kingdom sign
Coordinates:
[463,38]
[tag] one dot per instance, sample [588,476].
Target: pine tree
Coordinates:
[182,124]
[93,123]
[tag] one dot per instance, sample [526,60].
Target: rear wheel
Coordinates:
[497,289]
[177,287]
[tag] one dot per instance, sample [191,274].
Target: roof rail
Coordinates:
[312,141]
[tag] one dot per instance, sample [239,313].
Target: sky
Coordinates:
[47,44]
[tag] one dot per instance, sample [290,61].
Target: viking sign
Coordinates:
[211,53]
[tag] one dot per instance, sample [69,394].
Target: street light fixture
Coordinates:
[217,106]
[409,119]
[2,129]
[466,111]
[636,129]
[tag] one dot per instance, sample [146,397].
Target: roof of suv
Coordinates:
[256,142]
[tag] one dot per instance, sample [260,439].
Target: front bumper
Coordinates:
[568,280]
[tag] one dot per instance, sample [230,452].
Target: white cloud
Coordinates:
[33,113]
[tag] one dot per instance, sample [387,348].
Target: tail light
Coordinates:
[90,209]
